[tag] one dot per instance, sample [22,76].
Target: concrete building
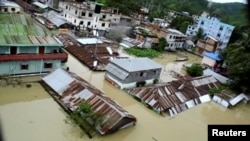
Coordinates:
[90,15]
[9,7]
[175,39]
[212,27]
[128,73]
[26,48]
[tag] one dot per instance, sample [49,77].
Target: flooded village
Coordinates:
[42,85]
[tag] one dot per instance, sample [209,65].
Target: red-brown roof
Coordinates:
[163,97]
[87,54]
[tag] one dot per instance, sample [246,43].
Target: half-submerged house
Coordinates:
[128,73]
[176,96]
[70,90]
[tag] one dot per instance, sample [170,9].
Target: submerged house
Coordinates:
[175,96]
[127,73]
[229,99]
[26,48]
[70,90]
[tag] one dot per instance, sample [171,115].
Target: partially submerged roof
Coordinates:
[135,64]
[176,96]
[219,77]
[72,90]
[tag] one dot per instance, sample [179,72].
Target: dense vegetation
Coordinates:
[232,13]
[84,117]
[237,59]
[150,53]
[195,70]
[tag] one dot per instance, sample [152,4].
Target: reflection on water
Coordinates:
[40,118]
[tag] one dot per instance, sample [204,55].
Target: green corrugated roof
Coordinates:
[15,29]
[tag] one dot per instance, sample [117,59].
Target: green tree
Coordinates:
[181,23]
[195,70]
[199,35]
[85,117]
[237,58]
[161,45]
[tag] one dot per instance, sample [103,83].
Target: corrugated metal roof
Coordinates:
[74,89]
[41,5]
[91,41]
[176,96]
[20,30]
[58,81]
[136,64]
[116,71]
[55,18]
[89,53]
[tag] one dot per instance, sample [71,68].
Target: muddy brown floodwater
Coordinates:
[30,114]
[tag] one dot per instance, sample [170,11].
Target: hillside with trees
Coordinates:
[232,13]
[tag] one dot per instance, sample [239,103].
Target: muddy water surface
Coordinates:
[30,114]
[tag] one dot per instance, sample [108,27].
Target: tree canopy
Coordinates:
[237,59]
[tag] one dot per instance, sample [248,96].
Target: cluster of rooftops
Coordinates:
[70,90]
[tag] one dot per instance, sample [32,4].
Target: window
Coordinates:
[47,65]
[202,22]
[83,13]
[76,12]
[66,6]
[75,21]
[221,28]
[103,16]
[5,9]
[103,24]
[65,15]
[155,72]
[24,67]
[90,14]
[218,35]
[89,23]
[143,74]
[170,37]
[13,9]
[81,23]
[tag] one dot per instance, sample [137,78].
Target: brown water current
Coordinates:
[30,114]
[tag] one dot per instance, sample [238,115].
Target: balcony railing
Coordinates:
[26,57]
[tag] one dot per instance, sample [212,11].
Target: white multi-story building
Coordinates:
[90,15]
[175,39]
[212,27]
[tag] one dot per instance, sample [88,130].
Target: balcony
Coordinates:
[27,57]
